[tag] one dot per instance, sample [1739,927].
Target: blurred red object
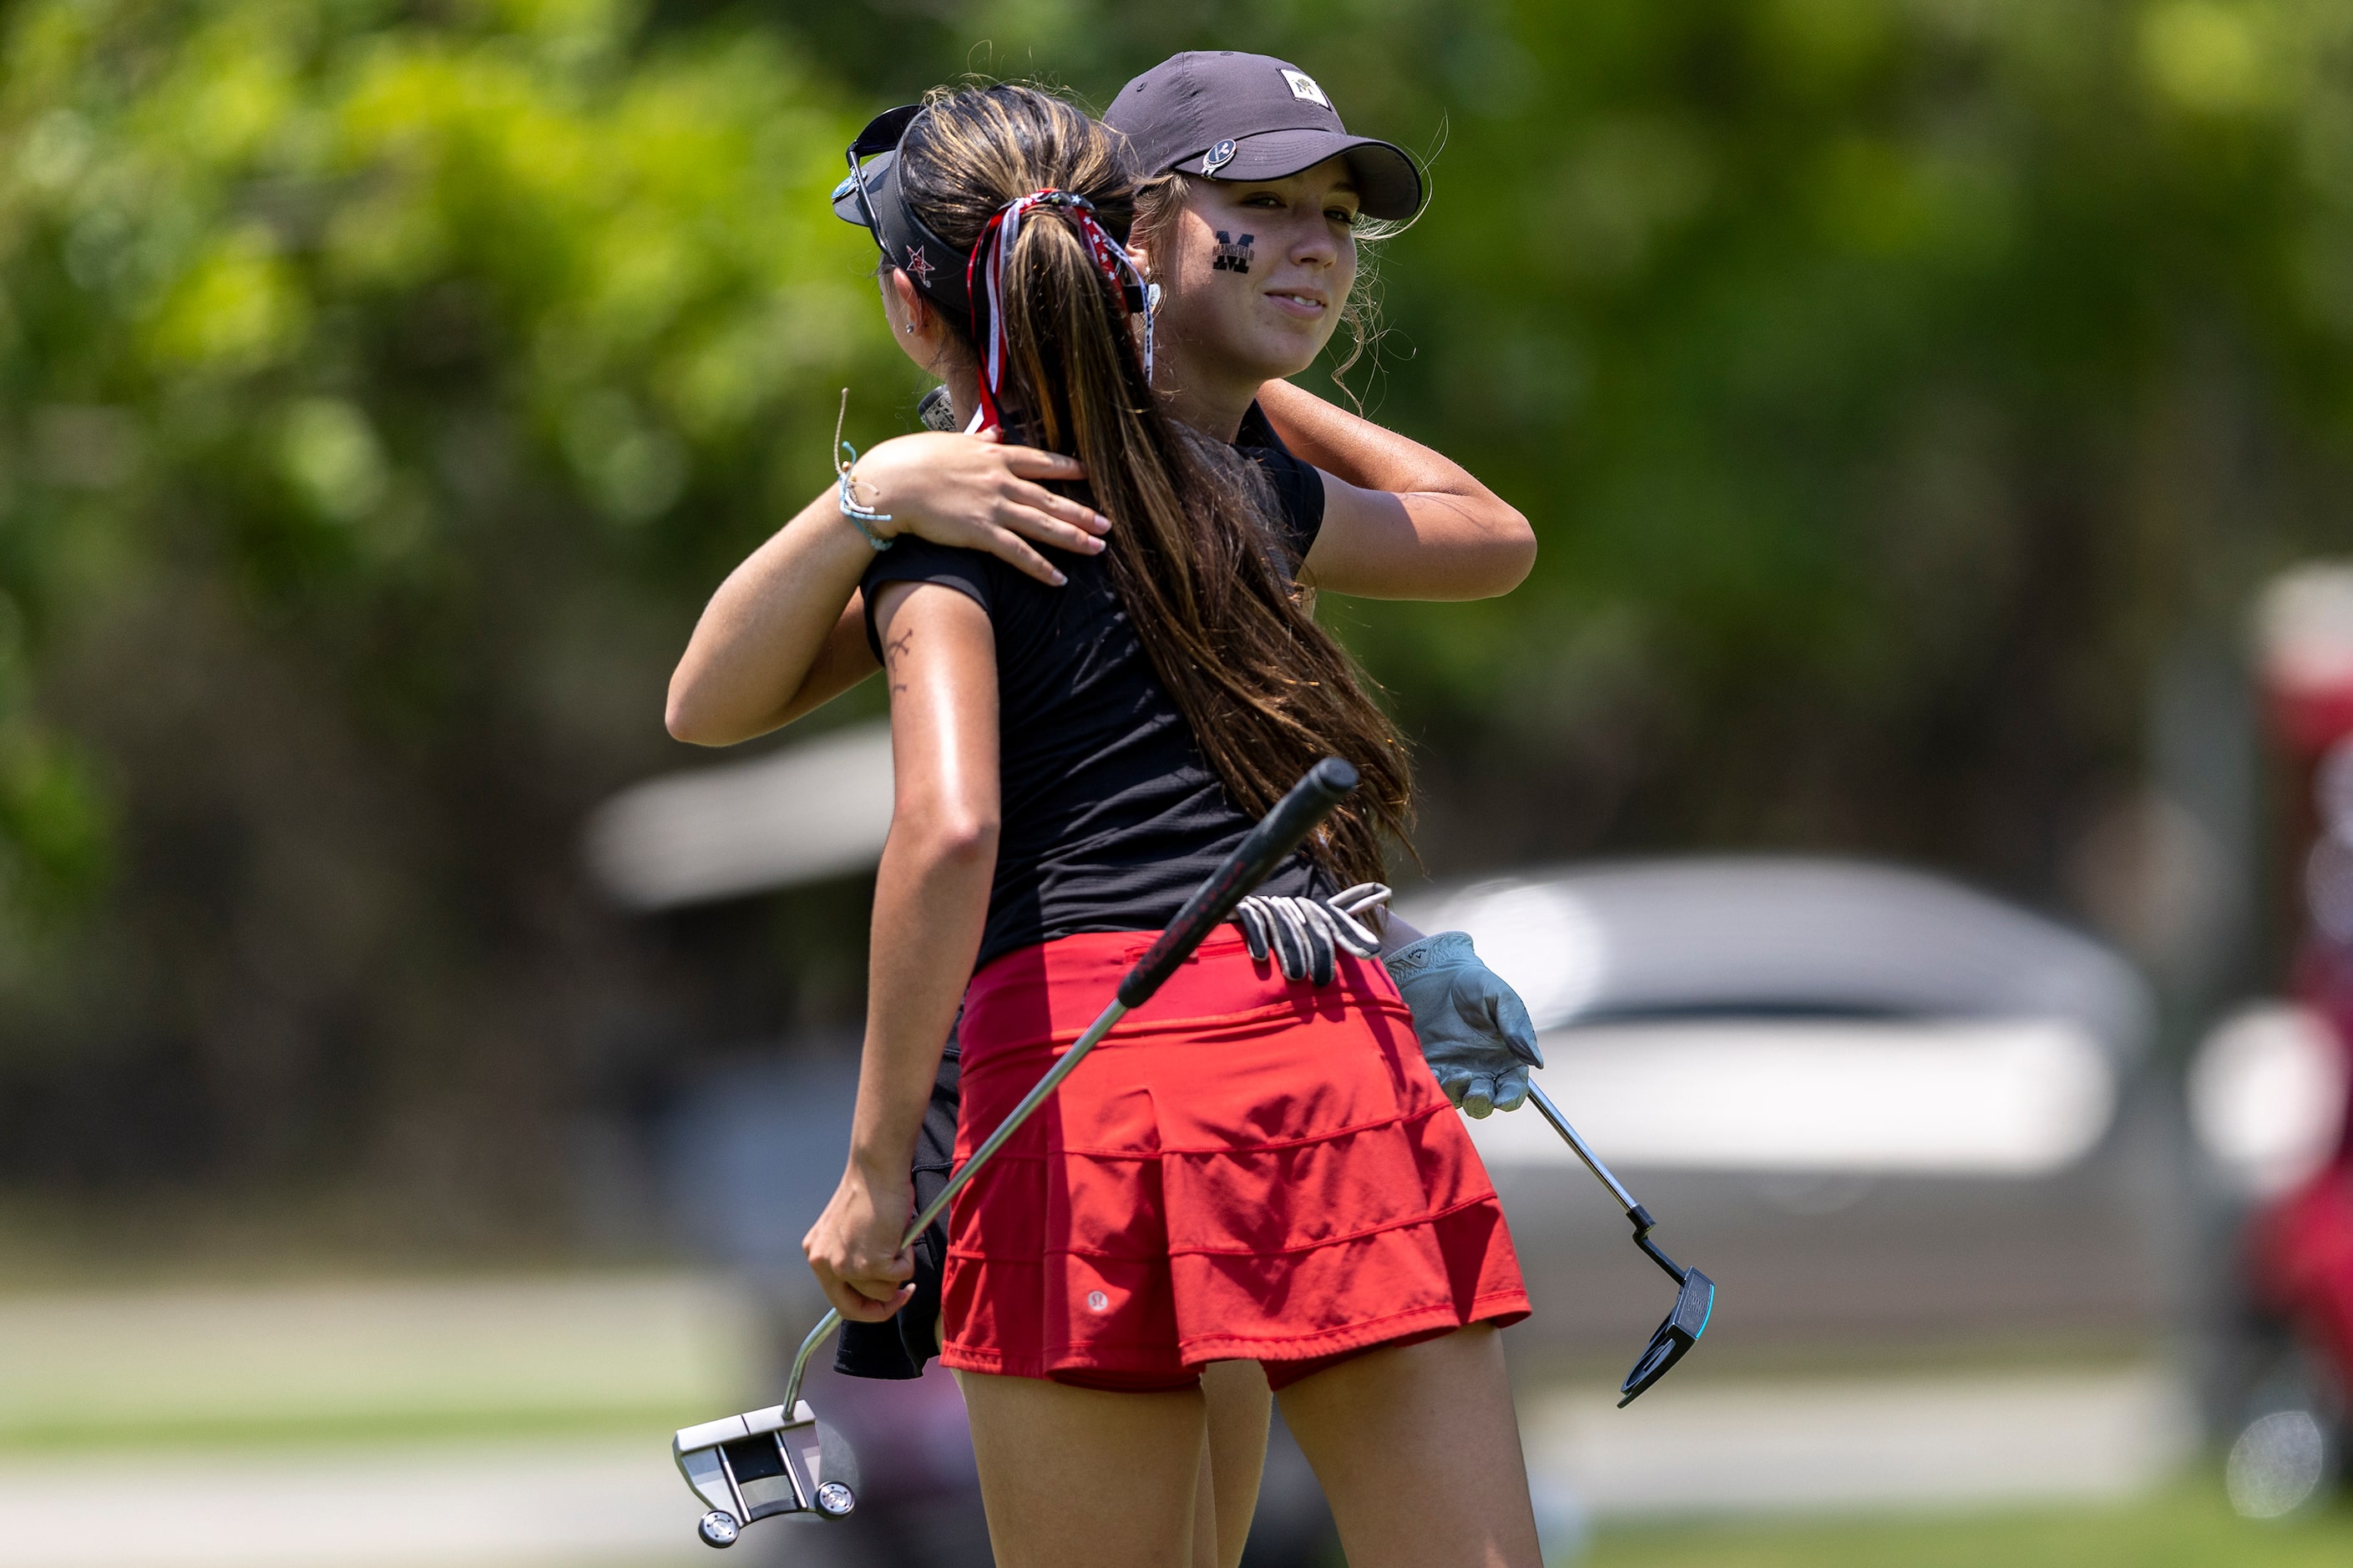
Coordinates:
[2299,1246]
[2300,1270]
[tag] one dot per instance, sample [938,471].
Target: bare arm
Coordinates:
[931,900]
[777,642]
[1400,522]
[774,640]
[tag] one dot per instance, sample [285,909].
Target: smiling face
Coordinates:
[1254,276]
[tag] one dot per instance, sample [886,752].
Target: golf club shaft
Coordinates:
[1634,1211]
[1265,845]
[1551,1112]
[1012,1122]
[965,1172]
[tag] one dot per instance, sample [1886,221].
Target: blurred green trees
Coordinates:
[1900,381]
[1893,382]
[383,391]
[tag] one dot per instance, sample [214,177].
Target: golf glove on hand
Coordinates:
[1305,934]
[1475,1031]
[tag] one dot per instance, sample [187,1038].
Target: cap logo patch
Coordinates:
[1218,157]
[1303,88]
[918,264]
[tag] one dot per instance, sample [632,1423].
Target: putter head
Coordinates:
[1694,1304]
[759,1464]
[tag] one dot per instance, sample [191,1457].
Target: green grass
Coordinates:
[2188,1526]
[223,1434]
[373,1362]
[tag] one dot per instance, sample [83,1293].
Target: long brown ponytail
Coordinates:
[1265,689]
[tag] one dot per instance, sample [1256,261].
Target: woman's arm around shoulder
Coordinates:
[931,904]
[777,641]
[1400,520]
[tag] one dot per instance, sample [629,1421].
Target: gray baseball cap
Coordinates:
[1229,116]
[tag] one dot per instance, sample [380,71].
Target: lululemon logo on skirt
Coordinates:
[1097,1301]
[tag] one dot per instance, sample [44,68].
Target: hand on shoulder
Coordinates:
[976,492]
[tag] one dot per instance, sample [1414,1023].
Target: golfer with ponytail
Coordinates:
[1257,1167]
[1439,533]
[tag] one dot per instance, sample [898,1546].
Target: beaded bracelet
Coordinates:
[860,515]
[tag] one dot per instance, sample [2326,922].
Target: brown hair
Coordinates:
[1265,690]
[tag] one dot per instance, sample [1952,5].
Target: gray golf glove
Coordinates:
[1305,934]
[1475,1031]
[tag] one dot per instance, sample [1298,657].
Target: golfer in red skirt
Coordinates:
[1253,1166]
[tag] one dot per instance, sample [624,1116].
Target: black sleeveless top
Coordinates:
[1109,817]
[1125,813]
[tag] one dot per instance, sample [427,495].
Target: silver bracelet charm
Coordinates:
[859,514]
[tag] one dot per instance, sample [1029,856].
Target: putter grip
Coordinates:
[1266,846]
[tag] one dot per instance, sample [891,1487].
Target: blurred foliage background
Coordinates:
[1896,386]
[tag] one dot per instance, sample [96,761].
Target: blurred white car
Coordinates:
[1874,1105]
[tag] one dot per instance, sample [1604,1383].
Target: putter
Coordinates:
[783,1459]
[1695,1291]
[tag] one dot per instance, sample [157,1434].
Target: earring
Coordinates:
[908,329]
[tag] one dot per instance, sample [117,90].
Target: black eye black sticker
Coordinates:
[1233,255]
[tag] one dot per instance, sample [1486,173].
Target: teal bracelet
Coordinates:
[860,516]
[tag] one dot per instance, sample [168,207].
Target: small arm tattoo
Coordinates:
[892,648]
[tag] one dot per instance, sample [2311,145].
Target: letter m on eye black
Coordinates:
[1233,255]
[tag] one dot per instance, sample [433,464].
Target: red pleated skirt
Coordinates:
[1247,1168]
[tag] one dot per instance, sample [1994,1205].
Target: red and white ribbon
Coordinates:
[985,277]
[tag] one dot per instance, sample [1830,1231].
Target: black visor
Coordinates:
[869,199]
